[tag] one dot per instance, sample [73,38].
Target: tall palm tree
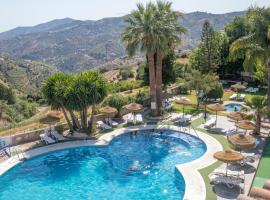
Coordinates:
[140,36]
[256,45]
[258,103]
[168,36]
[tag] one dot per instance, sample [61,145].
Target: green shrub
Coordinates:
[125,85]
[126,72]
[117,101]
[216,92]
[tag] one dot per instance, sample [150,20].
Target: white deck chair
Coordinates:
[229,181]
[210,123]
[139,118]
[248,158]
[112,123]
[103,126]
[239,174]
[57,136]
[45,138]
[233,96]
[242,96]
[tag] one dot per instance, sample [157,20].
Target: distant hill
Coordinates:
[74,45]
[23,75]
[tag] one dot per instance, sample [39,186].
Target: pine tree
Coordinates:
[209,49]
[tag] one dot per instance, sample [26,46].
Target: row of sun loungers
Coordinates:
[257,193]
[252,90]
[229,181]
[235,96]
[51,137]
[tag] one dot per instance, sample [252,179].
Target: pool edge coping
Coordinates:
[195,185]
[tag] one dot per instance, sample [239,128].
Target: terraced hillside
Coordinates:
[24,75]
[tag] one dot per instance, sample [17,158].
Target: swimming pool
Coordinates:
[135,167]
[232,107]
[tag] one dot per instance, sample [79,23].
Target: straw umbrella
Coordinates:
[216,107]
[228,156]
[242,141]
[236,116]
[246,125]
[50,119]
[238,86]
[108,111]
[134,108]
[183,102]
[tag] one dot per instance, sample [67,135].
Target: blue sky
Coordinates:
[31,12]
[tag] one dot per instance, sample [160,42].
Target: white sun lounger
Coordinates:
[248,158]
[57,136]
[242,96]
[239,174]
[45,138]
[103,126]
[110,122]
[139,118]
[229,181]
[233,96]
[210,123]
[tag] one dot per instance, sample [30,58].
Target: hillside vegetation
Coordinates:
[74,45]
[24,75]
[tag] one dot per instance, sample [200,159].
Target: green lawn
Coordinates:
[263,171]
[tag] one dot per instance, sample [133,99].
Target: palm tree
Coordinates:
[54,95]
[140,36]
[256,45]
[87,89]
[168,35]
[258,103]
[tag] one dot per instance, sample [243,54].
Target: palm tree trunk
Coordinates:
[82,115]
[268,79]
[258,123]
[159,82]
[75,120]
[92,118]
[152,81]
[67,119]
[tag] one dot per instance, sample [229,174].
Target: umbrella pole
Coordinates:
[205,112]
[183,111]
[226,169]
[216,118]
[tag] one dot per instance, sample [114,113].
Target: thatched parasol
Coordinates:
[183,101]
[237,116]
[228,156]
[51,119]
[238,86]
[246,125]
[108,111]
[242,141]
[216,107]
[134,108]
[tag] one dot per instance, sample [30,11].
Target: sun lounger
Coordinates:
[110,122]
[233,96]
[210,123]
[229,181]
[239,174]
[57,136]
[242,97]
[266,185]
[139,118]
[248,158]
[229,132]
[259,193]
[103,126]
[244,197]
[45,138]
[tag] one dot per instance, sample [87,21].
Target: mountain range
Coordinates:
[75,45]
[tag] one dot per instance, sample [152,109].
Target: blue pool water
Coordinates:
[132,167]
[232,107]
